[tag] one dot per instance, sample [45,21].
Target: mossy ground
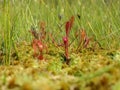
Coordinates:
[87,70]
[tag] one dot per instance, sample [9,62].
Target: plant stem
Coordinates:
[66,44]
[66,53]
[7,32]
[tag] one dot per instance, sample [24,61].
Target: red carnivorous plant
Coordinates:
[68,27]
[38,47]
[84,40]
[65,44]
[37,42]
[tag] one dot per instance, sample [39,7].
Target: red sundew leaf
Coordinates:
[37,44]
[34,47]
[83,35]
[35,50]
[67,26]
[40,45]
[87,40]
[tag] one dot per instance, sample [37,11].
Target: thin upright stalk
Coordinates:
[7,32]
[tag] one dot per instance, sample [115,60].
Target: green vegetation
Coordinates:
[45,59]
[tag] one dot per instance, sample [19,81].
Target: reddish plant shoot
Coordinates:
[38,49]
[84,40]
[65,39]
[83,35]
[37,43]
[68,27]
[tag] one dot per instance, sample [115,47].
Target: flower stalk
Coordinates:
[68,27]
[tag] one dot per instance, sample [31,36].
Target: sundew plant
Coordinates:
[59,44]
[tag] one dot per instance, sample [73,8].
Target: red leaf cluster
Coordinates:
[37,43]
[69,25]
[84,40]
[38,48]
